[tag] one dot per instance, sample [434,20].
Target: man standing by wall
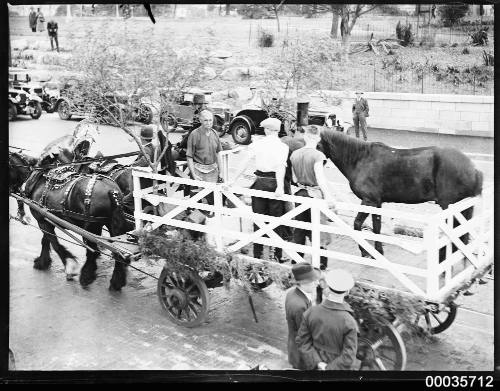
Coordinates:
[52,30]
[328,334]
[32,19]
[202,152]
[360,112]
[298,300]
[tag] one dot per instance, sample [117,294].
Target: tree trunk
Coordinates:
[228,9]
[335,24]
[117,11]
[68,11]
[277,19]
[175,9]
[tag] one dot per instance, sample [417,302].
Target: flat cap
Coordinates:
[147,132]
[271,123]
[339,280]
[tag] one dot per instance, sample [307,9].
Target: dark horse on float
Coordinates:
[87,201]
[378,173]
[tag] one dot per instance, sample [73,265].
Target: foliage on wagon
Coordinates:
[182,254]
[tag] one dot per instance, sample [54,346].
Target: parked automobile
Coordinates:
[182,113]
[19,78]
[22,102]
[245,122]
[72,101]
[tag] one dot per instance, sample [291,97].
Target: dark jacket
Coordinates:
[328,333]
[141,160]
[360,107]
[32,19]
[167,160]
[52,28]
[296,303]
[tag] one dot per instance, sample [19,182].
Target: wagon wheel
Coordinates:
[258,277]
[438,317]
[380,346]
[184,297]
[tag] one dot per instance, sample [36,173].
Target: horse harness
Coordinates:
[67,177]
[111,170]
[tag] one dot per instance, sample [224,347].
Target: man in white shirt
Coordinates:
[271,159]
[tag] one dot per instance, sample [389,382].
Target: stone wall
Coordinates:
[435,113]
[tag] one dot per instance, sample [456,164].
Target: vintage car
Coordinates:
[182,111]
[22,102]
[19,78]
[73,101]
[245,122]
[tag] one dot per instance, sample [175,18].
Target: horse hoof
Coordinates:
[39,264]
[70,276]
[86,281]
[113,288]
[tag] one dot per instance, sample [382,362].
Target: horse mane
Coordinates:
[352,148]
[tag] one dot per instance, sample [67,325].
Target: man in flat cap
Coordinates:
[298,300]
[142,160]
[270,162]
[360,112]
[328,334]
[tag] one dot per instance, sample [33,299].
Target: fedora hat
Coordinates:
[339,280]
[359,92]
[147,132]
[305,272]
[198,99]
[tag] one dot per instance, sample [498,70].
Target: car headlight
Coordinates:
[18,98]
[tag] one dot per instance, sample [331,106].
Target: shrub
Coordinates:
[451,13]
[465,51]
[265,39]
[404,34]
[390,9]
[479,37]
[488,58]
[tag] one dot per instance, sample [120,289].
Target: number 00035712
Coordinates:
[464,381]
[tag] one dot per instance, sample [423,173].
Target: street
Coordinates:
[58,325]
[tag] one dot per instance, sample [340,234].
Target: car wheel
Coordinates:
[168,122]
[12,111]
[38,111]
[241,131]
[219,126]
[63,110]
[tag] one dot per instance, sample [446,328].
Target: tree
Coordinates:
[118,65]
[451,13]
[349,14]
[276,8]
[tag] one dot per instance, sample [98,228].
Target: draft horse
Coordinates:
[378,173]
[88,201]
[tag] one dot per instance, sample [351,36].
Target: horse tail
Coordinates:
[478,188]
[118,222]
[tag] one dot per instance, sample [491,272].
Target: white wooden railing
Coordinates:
[437,232]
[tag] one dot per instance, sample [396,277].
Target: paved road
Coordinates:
[57,325]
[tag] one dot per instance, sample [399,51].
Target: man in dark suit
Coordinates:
[298,300]
[328,335]
[360,111]
[52,29]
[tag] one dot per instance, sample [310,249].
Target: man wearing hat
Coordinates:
[142,160]
[270,161]
[360,112]
[328,335]
[309,176]
[298,300]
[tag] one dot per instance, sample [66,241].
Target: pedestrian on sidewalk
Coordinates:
[298,300]
[40,21]
[52,29]
[32,19]
[360,111]
[328,335]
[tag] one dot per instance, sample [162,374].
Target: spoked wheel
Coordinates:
[168,122]
[438,317]
[63,110]
[257,275]
[184,297]
[380,346]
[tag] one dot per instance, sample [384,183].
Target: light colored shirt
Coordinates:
[305,293]
[203,147]
[270,153]
[303,161]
